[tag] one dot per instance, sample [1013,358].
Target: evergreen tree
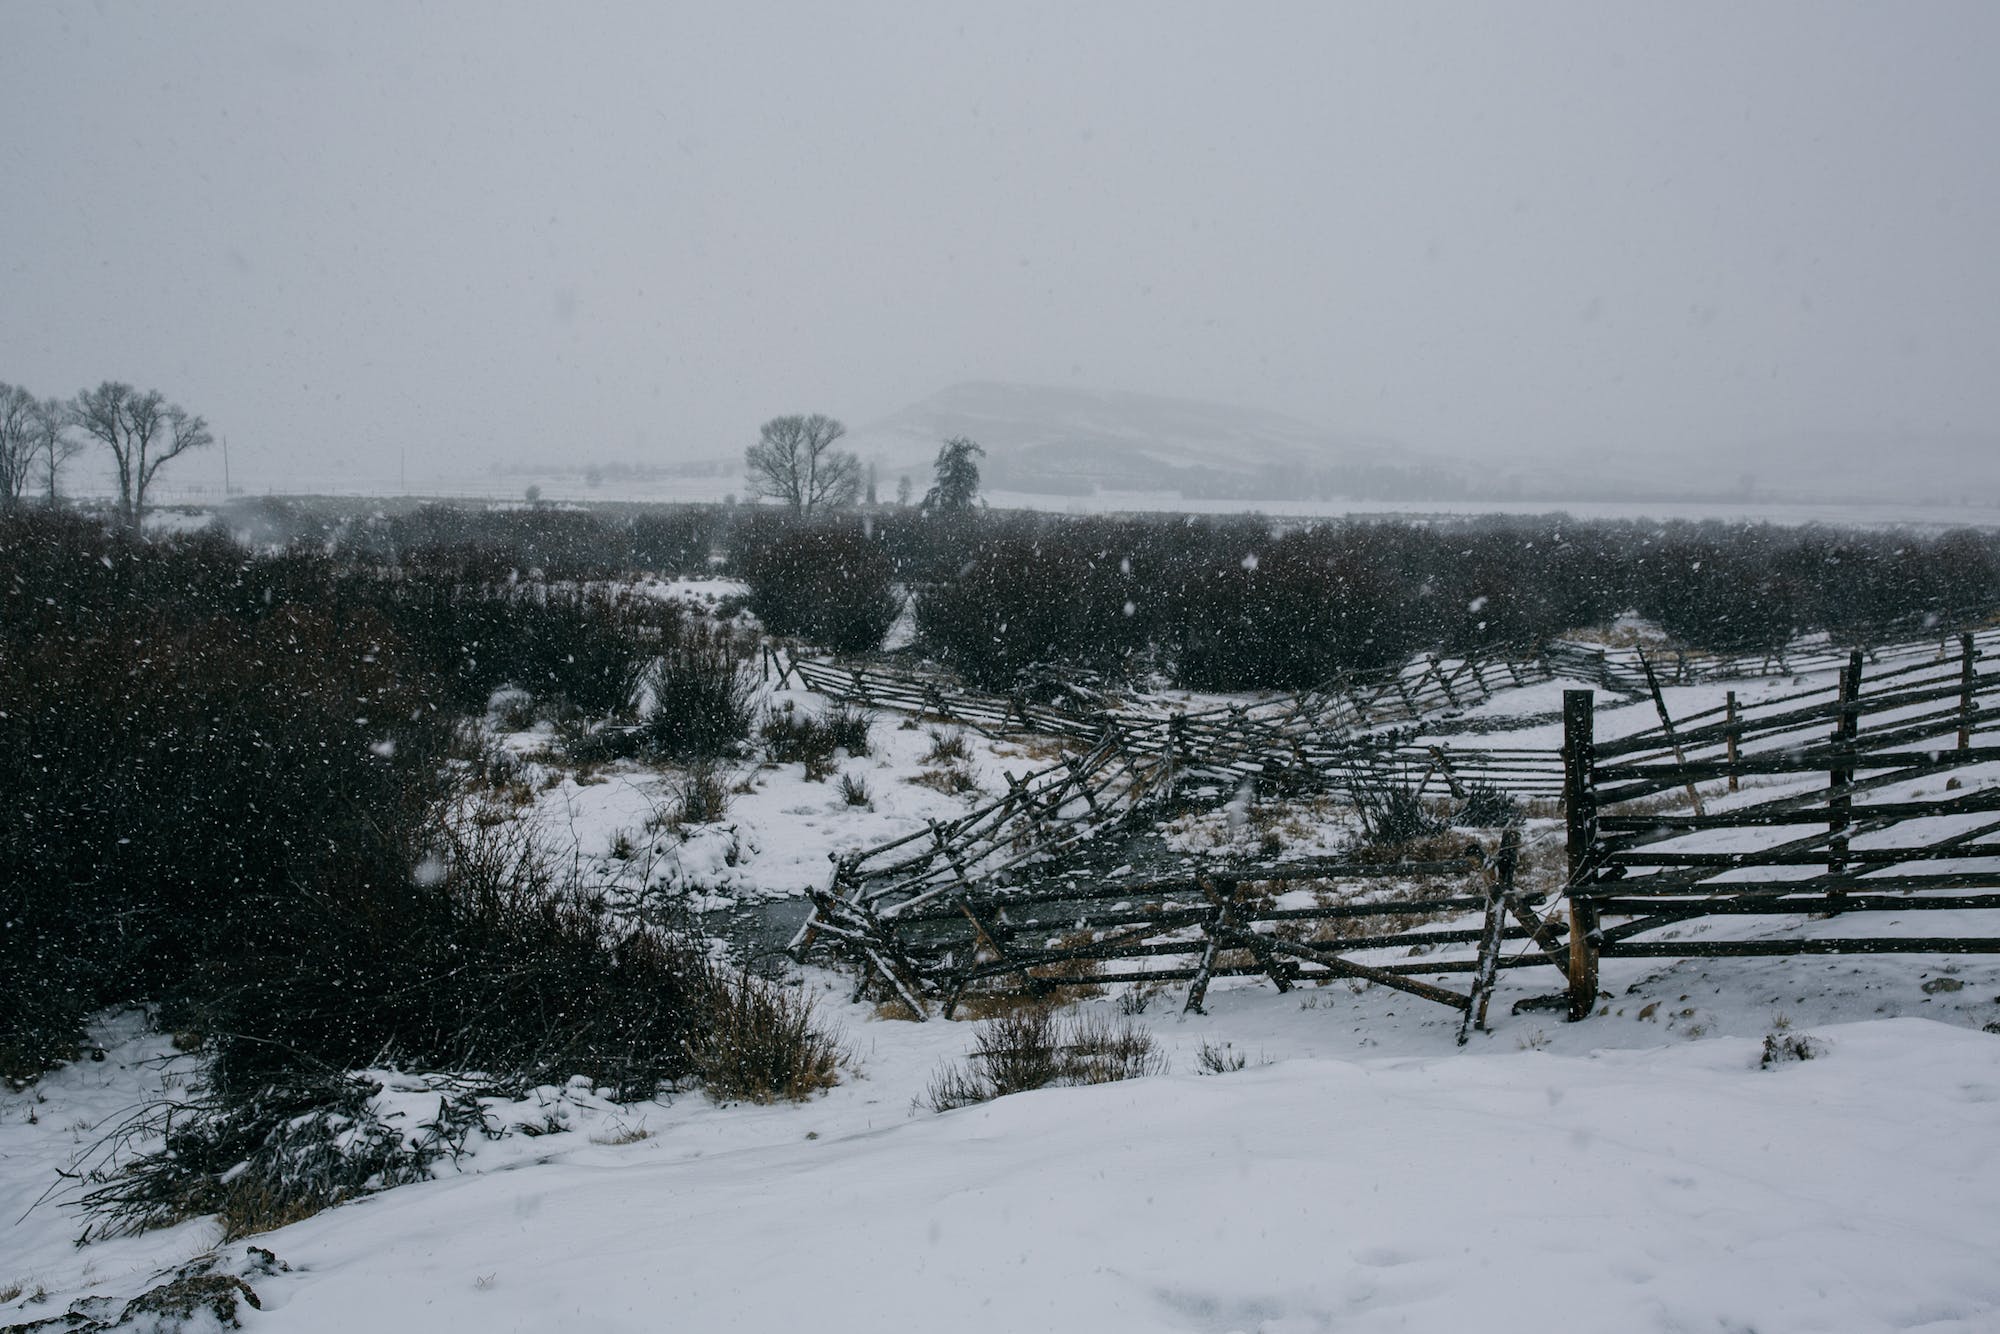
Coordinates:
[957,477]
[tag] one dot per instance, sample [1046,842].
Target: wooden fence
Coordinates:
[1624,669]
[1427,924]
[1422,688]
[1884,798]
[1318,740]
[1017,896]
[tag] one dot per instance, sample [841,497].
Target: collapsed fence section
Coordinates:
[1884,799]
[1327,715]
[1316,740]
[1043,817]
[1132,762]
[1412,927]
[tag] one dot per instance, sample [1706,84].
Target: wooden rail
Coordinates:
[1888,801]
[1465,918]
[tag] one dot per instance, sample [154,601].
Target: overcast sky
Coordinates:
[635,231]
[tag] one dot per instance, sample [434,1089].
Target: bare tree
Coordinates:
[794,461]
[18,442]
[142,431]
[53,442]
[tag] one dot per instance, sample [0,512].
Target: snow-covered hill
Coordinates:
[1045,440]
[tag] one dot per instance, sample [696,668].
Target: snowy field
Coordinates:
[1642,1171]
[1630,1174]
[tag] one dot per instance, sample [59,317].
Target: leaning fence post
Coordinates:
[1840,802]
[1580,808]
[1499,889]
[1965,691]
[1667,730]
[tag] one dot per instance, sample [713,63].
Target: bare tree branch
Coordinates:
[53,441]
[794,461]
[18,442]
[129,424]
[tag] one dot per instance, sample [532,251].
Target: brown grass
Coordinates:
[952,779]
[762,1043]
[1033,1047]
[621,1135]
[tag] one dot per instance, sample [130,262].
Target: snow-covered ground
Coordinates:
[1637,1172]
[1640,1171]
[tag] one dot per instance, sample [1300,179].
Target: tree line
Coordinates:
[142,430]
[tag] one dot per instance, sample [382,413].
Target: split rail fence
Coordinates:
[1885,799]
[1414,933]
[1624,668]
[1319,739]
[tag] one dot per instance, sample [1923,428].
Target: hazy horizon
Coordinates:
[370,238]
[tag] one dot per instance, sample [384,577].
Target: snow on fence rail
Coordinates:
[1887,801]
[1421,688]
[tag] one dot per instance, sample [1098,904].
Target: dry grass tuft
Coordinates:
[761,1042]
[953,780]
[1033,1047]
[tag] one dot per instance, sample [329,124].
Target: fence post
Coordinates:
[1580,807]
[1840,803]
[1499,890]
[1667,730]
[1965,692]
[1730,733]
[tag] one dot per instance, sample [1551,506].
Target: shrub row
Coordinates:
[484,544]
[1229,603]
[1220,601]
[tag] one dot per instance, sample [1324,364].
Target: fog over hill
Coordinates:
[1062,446]
[1062,441]
[1059,441]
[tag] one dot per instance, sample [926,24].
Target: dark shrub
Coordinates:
[271,1156]
[676,539]
[1292,613]
[700,697]
[1394,816]
[586,648]
[1008,608]
[828,585]
[486,959]
[850,728]
[793,736]
[761,1042]
[164,763]
[702,794]
[1032,1047]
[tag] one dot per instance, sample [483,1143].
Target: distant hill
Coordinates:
[1045,440]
